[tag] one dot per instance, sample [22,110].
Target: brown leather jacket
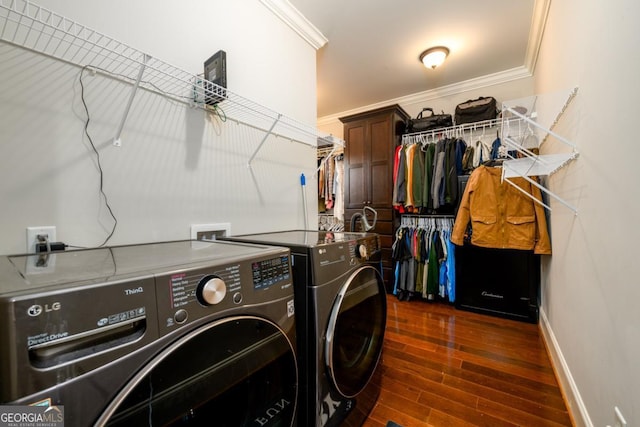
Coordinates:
[500,215]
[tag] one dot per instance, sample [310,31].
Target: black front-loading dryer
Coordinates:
[341,316]
[173,333]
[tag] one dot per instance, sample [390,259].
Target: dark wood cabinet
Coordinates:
[371,139]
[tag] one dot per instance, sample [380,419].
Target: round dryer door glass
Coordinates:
[356,331]
[235,372]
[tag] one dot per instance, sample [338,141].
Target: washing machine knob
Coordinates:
[211,290]
[361,251]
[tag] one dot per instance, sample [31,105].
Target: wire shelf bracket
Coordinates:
[531,111]
[116,140]
[275,122]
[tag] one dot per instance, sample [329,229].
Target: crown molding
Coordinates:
[296,20]
[440,92]
[538,23]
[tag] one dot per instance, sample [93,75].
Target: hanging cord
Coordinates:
[101,172]
[217,111]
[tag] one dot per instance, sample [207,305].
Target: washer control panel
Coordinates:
[188,295]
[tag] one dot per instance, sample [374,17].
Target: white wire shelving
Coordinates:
[524,125]
[539,115]
[32,27]
[451,132]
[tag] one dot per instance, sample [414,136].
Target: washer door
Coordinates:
[239,371]
[356,331]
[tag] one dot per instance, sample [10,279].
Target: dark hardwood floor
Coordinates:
[447,367]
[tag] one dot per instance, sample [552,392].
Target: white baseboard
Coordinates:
[567,384]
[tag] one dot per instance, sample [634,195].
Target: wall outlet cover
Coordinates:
[41,263]
[210,231]
[34,232]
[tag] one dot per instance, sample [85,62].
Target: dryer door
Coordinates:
[239,371]
[356,331]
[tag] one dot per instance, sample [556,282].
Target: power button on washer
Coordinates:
[180,316]
[237,298]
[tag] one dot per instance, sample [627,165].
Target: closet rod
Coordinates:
[427,216]
[483,125]
[325,151]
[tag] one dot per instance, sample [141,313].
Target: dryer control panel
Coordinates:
[365,248]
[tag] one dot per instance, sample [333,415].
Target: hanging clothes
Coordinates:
[400,183]
[481,153]
[330,181]
[417,179]
[329,177]
[495,148]
[338,189]
[410,153]
[421,253]
[429,152]
[500,215]
[437,184]
[451,270]
[454,148]
[467,160]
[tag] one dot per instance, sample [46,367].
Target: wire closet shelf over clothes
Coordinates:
[459,131]
[523,127]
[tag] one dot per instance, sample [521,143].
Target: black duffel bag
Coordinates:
[433,121]
[476,110]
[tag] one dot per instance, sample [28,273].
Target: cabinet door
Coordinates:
[380,169]
[357,169]
[371,139]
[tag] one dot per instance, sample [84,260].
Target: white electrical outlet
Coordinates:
[34,232]
[40,263]
[210,231]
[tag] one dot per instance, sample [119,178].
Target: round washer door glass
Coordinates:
[356,331]
[239,371]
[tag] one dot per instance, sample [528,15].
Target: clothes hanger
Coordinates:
[493,163]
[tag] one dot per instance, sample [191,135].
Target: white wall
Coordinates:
[590,286]
[177,165]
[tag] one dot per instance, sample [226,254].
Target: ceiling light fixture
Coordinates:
[433,57]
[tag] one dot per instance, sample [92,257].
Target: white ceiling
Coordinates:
[373,45]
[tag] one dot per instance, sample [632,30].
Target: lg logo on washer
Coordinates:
[37,310]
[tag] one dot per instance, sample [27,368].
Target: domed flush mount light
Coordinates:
[433,57]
